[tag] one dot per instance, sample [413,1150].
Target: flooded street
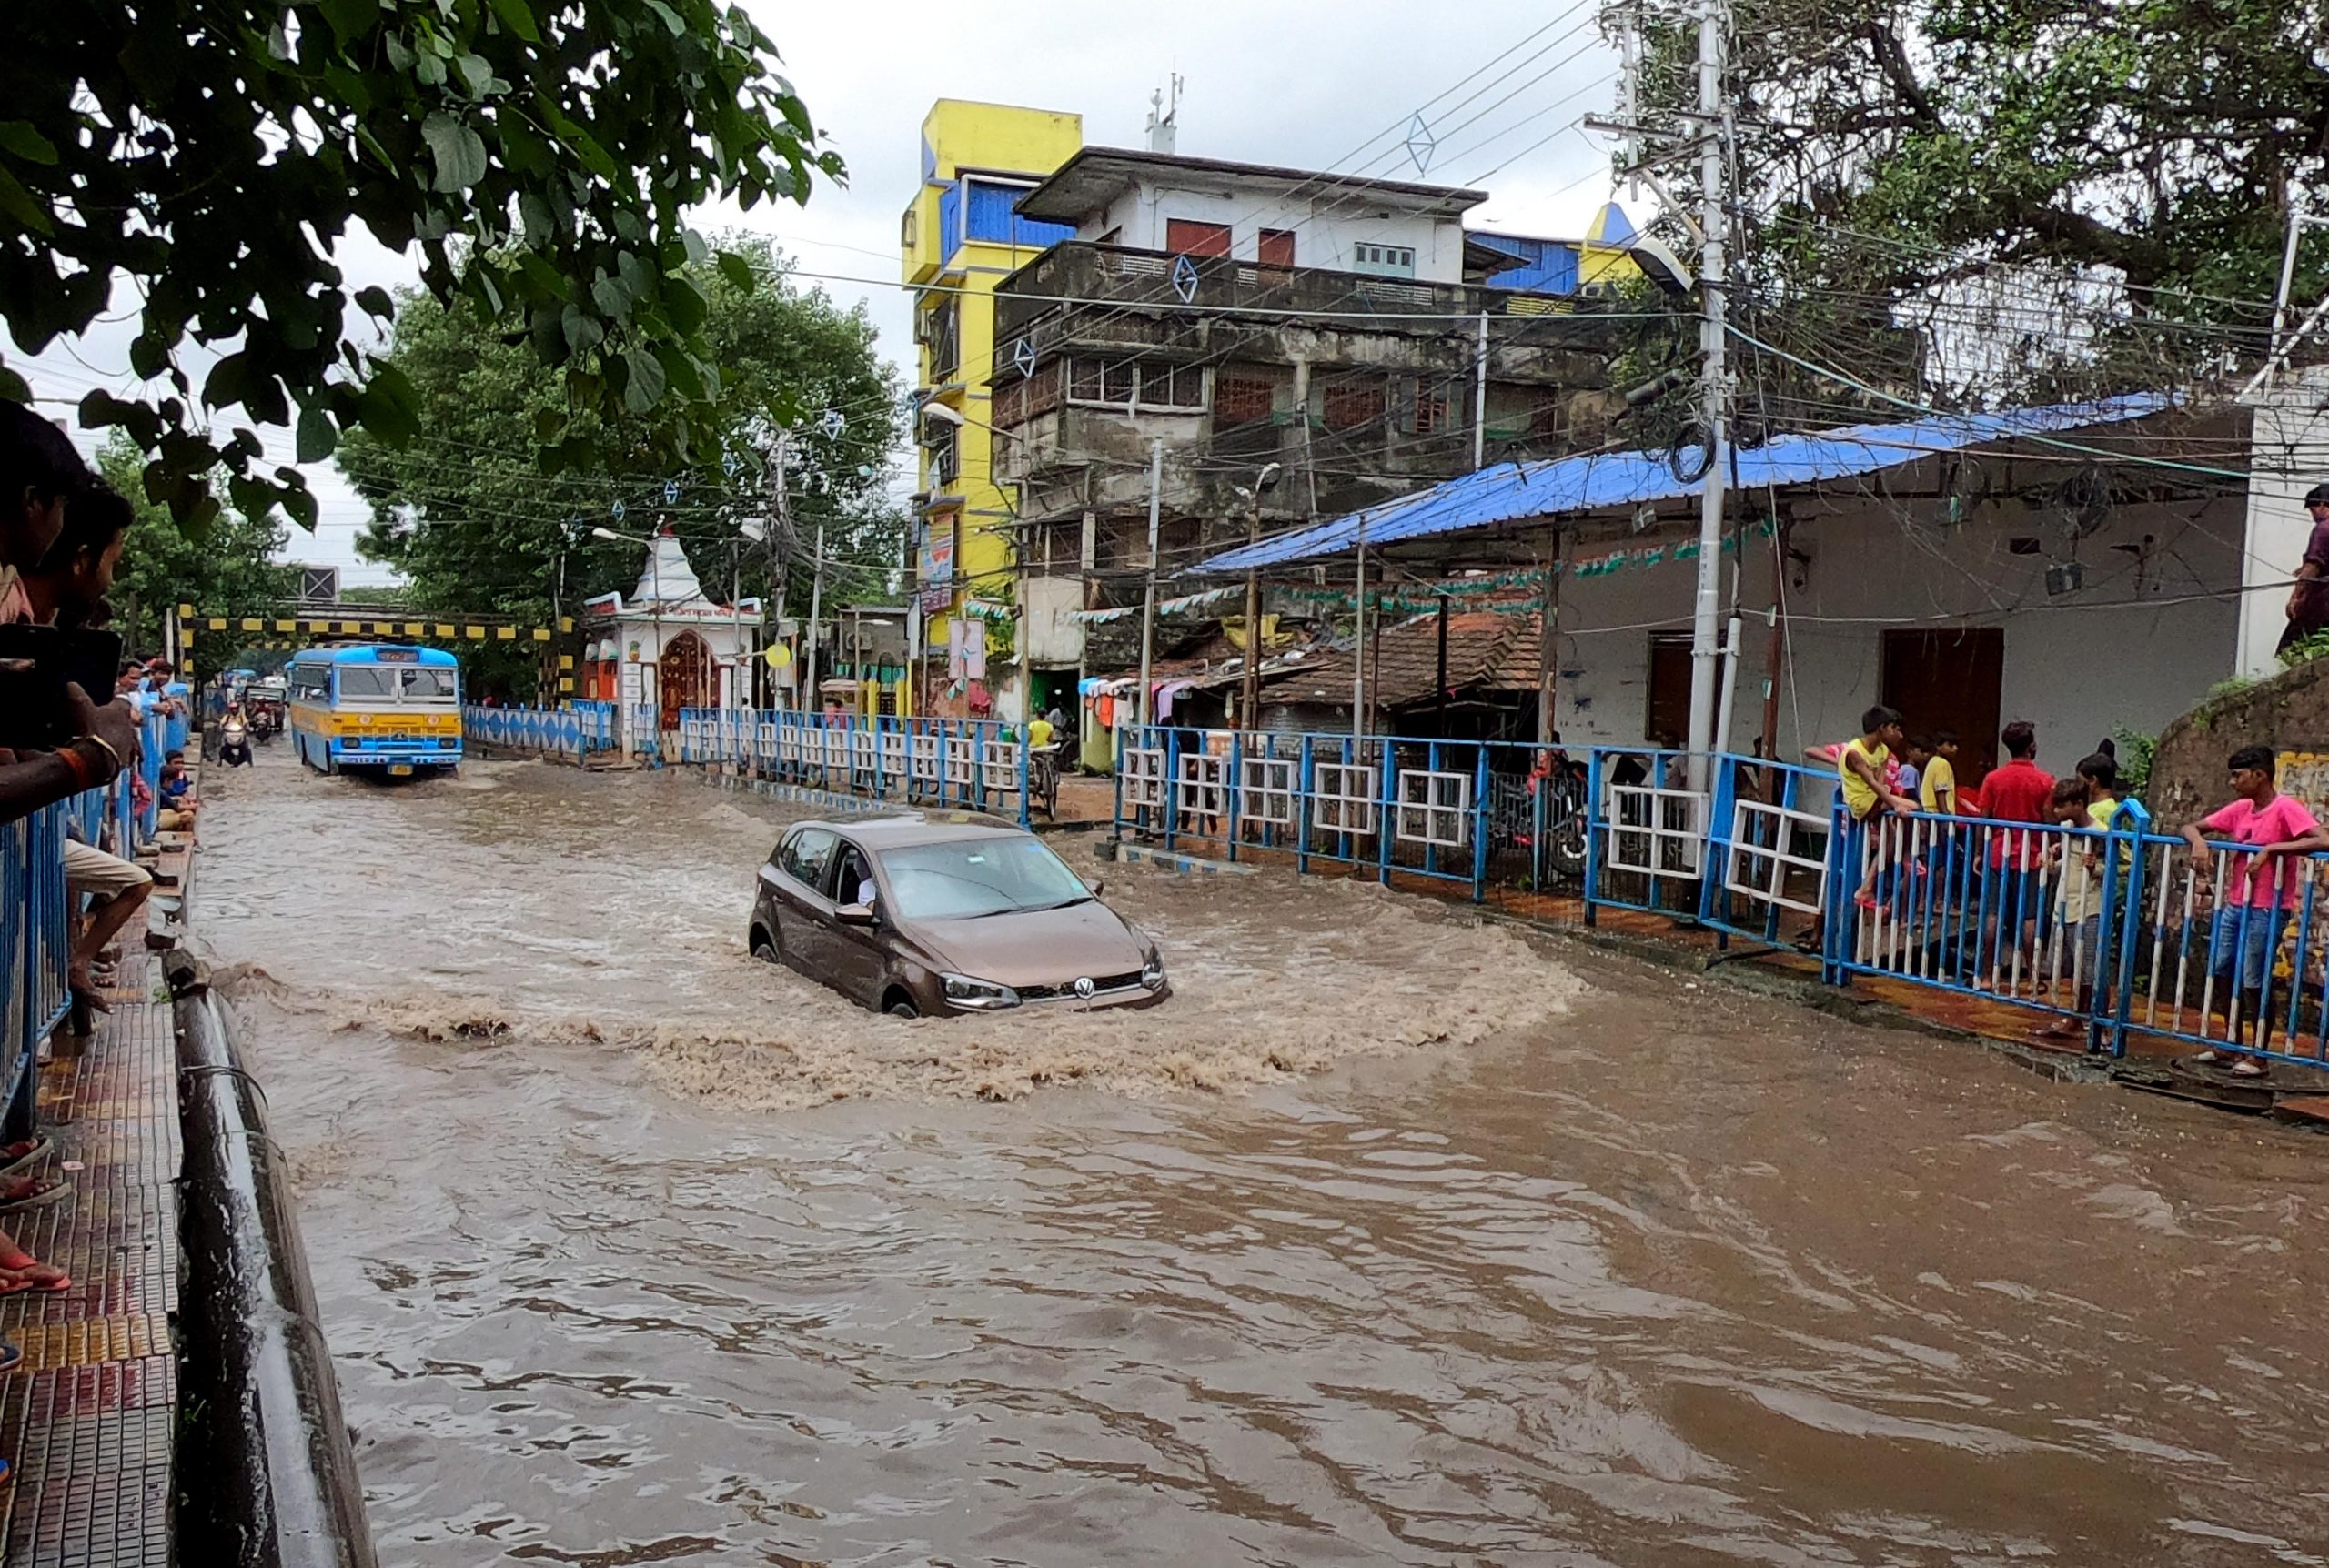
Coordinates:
[1392,1239]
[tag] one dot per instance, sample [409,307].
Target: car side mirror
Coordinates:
[1097,888]
[853,914]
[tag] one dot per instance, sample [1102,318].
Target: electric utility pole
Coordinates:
[1148,596]
[1706,616]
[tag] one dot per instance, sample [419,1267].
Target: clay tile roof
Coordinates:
[1487,651]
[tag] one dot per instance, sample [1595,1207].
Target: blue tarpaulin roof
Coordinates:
[1510,492]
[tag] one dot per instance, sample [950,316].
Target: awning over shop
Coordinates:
[1513,492]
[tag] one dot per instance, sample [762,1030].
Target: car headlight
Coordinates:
[1152,971]
[965,990]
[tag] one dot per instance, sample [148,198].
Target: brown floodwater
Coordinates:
[1392,1239]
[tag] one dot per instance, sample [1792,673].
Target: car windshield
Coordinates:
[965,878]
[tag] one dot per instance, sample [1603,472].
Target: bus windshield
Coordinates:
[426,685]
[402,683]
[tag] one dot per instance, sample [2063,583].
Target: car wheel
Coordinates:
[902,1007]
[764,947]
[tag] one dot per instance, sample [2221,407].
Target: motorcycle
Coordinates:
[234,743]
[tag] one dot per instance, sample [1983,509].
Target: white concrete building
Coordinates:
[1255,212]
[2289,454]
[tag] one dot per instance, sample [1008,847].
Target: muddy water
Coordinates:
[631,1250]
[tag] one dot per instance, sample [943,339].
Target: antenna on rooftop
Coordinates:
[1163,117]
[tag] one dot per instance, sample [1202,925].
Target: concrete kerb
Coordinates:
[827,801]
[1803,990]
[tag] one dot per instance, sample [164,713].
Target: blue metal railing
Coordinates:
[36,926]
[1479,815]
[981,764]
[574,730]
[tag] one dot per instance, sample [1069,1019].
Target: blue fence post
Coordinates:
[2135,821]
[1229,786]
[1171,807]
[1836,903]
[1306,781]
[1026,817]
[1117,800]
[1714,845]
[1387,823]
[1593,822]
[1480,785]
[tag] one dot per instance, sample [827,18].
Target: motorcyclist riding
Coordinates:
[235,738]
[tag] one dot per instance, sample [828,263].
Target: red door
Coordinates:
[1951,678]
[1184,238]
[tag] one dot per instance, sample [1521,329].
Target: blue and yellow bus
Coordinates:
[368,705]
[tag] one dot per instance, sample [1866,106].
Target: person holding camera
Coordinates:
[41,478]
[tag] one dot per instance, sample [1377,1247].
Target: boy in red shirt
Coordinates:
[2266,879]
[2021,791]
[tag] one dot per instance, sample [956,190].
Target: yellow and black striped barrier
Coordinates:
[297,632]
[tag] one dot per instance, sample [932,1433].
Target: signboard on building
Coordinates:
[937,565]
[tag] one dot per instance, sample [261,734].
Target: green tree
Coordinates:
[465,515]
[2062,195]
[220,565]
[541,154]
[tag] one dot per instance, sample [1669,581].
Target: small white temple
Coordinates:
[667,646]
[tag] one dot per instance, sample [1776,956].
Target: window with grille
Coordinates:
[1351,404]
[946,340]
[1426,407]
[1172,386]
[1154,384]
[1242,394]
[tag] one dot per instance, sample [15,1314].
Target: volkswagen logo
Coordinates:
[1085,987]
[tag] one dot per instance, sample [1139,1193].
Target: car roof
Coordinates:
[906,831]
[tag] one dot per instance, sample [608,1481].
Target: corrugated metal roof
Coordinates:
[1509,492]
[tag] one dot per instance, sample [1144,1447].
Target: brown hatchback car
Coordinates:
[943,915]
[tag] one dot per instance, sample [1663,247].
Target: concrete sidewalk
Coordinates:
[87,1417]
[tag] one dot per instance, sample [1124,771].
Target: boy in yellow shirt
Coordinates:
[1937,783]
[1859,771]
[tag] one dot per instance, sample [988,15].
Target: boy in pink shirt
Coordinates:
[2264,883]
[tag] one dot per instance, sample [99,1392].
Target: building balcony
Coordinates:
[1079,271]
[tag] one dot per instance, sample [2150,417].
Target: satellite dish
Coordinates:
[1660,264]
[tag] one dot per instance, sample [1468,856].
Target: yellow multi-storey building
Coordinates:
[962,236]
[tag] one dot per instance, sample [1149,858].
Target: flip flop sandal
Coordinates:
[41,1145]
[38,1198]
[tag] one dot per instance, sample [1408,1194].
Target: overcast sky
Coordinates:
[1294,82]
